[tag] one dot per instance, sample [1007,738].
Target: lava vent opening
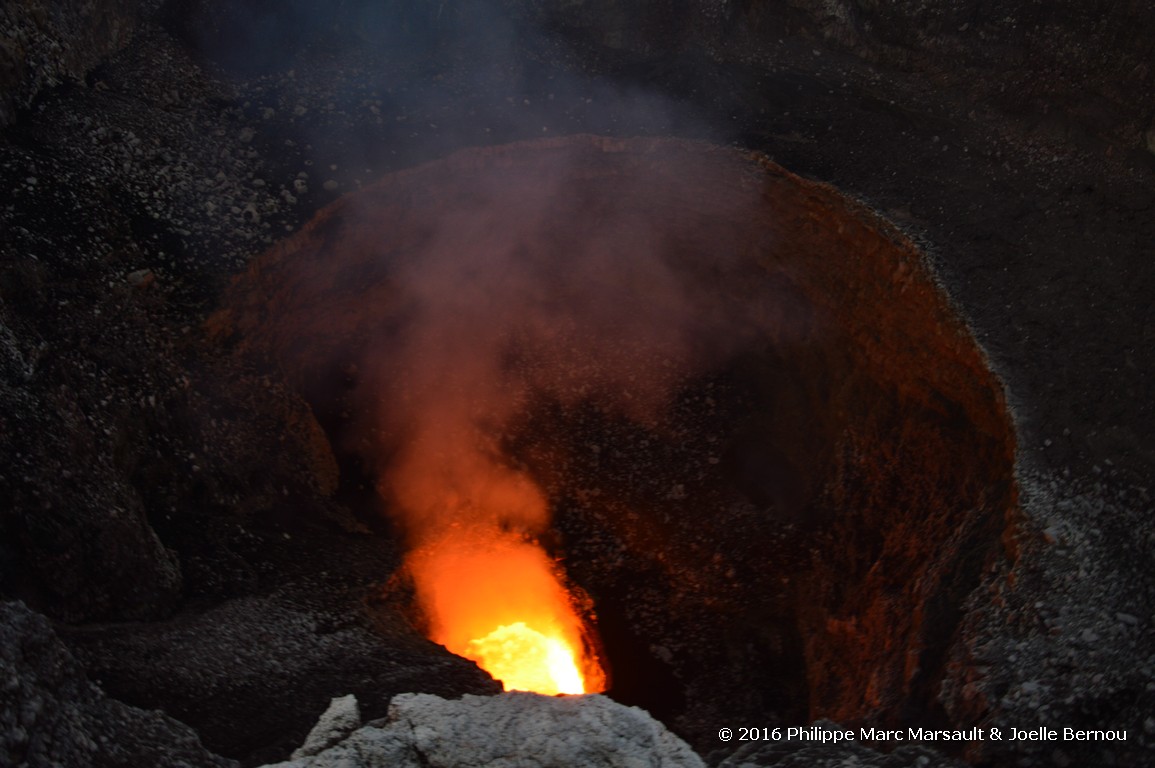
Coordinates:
[726,410]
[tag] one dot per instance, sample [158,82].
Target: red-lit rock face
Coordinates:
[789,464]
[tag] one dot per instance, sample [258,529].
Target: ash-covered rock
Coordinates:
[51,715]
[338,721]
[514,729]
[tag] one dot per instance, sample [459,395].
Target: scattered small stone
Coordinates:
[141,278]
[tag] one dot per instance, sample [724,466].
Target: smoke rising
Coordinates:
[515,286]
[532,289]
[360,87]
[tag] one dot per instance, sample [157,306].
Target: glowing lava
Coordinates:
[524,659]
[497,599]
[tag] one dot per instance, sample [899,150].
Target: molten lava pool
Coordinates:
[500,601]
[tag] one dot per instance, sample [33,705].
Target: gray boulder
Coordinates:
[513,729]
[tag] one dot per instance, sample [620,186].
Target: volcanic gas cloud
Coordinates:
[493,319]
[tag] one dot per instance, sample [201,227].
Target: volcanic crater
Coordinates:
[776,516]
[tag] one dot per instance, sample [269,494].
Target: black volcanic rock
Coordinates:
[252,674]
[51,715]
[45,43]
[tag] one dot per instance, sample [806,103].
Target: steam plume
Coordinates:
[499,316]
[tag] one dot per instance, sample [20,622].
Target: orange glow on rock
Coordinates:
[498,600]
